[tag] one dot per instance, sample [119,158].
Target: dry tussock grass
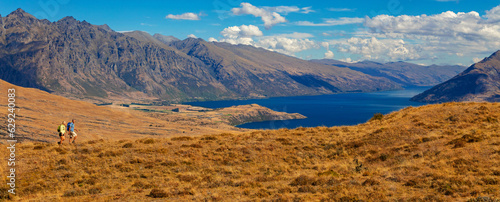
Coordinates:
[447,152]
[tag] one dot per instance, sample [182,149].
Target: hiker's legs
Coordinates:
[62,138]
[74,136]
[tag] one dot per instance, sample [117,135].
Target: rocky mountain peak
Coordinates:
[20,13]
[494,56]
[105,27]
[68,20]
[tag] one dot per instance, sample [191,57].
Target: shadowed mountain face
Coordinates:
[76,59]
[406,74]
[480,82]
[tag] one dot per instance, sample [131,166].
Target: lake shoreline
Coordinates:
[342,109]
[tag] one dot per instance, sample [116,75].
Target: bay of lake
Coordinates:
[326,110]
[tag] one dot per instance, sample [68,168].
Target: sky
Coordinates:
[419,31]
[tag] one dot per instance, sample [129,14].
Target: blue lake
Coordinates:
[327,110]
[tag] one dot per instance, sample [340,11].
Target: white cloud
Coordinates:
[212,39]
[268,17]
[349,60]
[297,35]
[378,49]
[192,36]
[329,54]
[283,43]
[184,16]
[476,60]
[325,45]
[333,22]
[307,10]
[282,9]
[240,34]
[425,37]
[340,9]
[493,14]
[454,31]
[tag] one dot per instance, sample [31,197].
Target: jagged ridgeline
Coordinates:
[80,60]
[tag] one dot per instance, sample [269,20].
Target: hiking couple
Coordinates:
[70,128]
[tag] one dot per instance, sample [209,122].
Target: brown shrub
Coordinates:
[60,150]
[370,182]
[192,145]
[74,192]
[182,138]
[157,193]
[95,190]
[38,147]
[128,145]
[149,141]
[187,177]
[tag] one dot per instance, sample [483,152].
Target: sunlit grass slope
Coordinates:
[445,152]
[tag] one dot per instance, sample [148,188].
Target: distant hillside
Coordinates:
[80,60]
[447,152]
[406,74]
[480,82]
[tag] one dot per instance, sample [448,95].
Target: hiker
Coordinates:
[62,130]
[71,131]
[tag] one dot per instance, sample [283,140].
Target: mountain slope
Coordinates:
[270,73]
[406,74]
[79,60]
[480,82]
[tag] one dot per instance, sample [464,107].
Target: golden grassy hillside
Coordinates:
[39,114]
[446,152]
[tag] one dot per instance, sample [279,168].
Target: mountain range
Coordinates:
[403,73]
[479,82]
[79,60]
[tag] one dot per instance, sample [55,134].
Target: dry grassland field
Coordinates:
[443,152]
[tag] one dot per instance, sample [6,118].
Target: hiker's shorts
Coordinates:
[61,134]
[72,134]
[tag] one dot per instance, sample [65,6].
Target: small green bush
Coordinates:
[377,116]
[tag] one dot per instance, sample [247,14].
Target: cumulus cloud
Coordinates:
[476,60]
[448,30]
[424,37]
[378,49]
[283,43]
[184,16]
[333,22]
[329,54]
[240,34]
[268,17]
[192,36]
[493,14]
[212,39]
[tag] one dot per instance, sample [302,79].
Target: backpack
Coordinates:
[58,128]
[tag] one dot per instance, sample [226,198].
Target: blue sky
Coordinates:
[418,31]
